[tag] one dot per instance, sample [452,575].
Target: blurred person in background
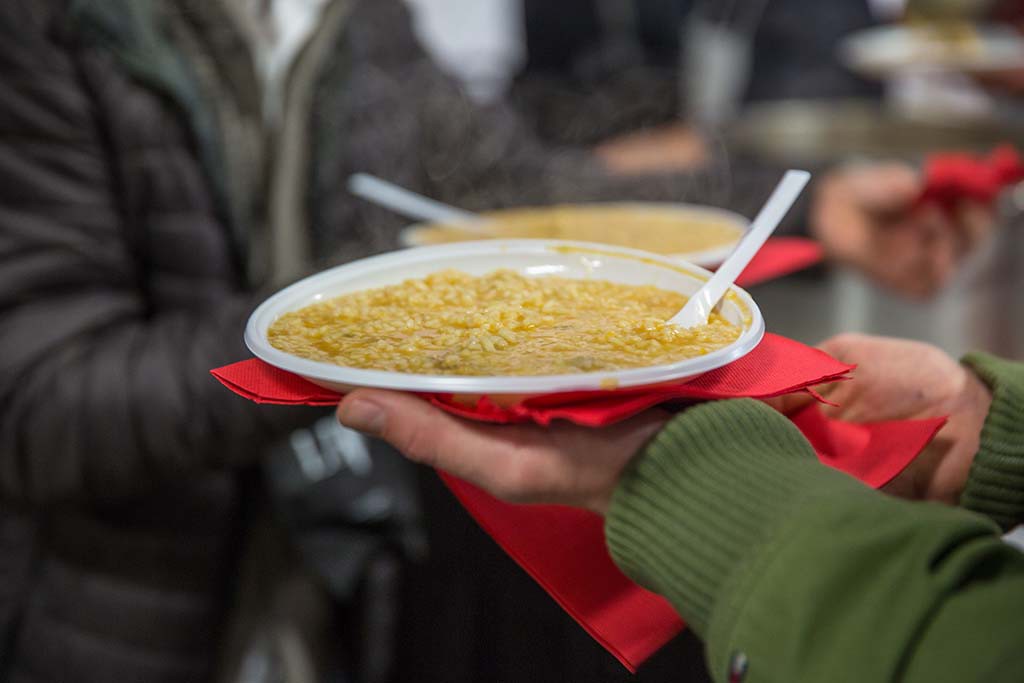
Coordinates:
[649,83]
[596,69]
[164,165]
[804,574]
[644,81]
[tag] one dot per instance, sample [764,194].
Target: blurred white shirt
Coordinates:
[478,42]
[279,31]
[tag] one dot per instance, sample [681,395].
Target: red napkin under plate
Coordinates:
[776,366]
[563,549]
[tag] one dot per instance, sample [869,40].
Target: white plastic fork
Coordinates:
[699,307]
[416,206]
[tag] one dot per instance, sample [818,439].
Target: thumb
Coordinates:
[422,432]
[408,423]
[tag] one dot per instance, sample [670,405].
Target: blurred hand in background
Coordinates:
[869,217]
[669,148]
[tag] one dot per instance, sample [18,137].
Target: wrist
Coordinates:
[995,482]
[647,426]
[688,511]
[969,413]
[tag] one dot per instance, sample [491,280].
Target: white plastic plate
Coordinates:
[578,260]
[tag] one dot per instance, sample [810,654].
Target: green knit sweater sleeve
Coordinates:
[995,486]
[793,571]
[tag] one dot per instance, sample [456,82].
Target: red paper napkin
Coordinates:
[563,549]
[776,366]
[955,176]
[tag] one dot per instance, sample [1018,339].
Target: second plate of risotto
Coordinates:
[689,232]
[500,318]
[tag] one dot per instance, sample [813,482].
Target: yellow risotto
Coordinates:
[451,323]
[653,229]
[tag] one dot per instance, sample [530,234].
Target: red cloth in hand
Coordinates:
[955,176]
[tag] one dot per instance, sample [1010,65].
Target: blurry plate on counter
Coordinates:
[960,46]
[701,235]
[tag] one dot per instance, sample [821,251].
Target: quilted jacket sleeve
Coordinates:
[104,393]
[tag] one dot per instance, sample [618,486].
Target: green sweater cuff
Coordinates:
[694,504]
[995,486]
